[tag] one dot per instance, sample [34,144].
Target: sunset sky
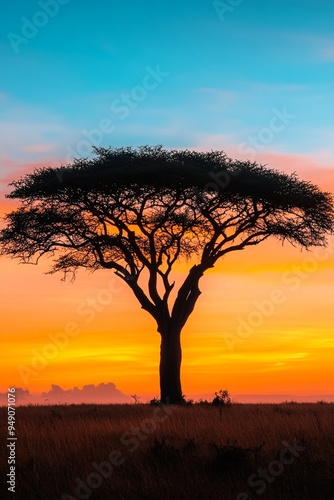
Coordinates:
[254,80]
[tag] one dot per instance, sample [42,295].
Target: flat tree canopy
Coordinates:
[134,210]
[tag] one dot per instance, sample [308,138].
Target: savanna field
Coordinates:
[239,452]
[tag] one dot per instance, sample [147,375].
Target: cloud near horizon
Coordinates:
[102,393]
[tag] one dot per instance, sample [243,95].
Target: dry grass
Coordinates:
[191,453]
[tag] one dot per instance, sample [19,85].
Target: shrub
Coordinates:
[222,398]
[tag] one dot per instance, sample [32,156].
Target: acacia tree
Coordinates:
[138,211]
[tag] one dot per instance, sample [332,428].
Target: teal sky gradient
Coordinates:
[224,74]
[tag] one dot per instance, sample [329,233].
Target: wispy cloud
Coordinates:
[320,47]
[327,52]
[17,138]
[38,148]
[27,131]
[223,96]
[317,166]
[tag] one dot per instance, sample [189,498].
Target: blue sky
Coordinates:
[227,68]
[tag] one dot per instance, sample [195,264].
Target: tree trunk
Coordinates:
[169,327]
[170,368]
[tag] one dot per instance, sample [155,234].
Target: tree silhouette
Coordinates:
[138,211]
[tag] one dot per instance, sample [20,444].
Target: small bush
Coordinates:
[155,401]
[222,398]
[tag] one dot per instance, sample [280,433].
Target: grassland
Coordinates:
[143,452]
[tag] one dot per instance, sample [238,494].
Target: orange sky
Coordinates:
[263,325]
